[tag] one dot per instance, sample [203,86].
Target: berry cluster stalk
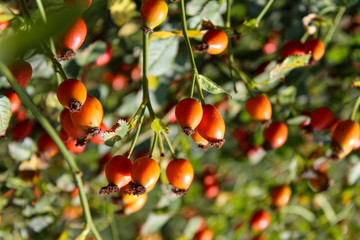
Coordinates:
[191,54]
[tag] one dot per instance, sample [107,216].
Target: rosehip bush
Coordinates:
[179,119]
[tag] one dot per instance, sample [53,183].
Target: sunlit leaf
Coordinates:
[40,222]
[210,86]
[287,65]
[121,11]
[22,150]
[162,53]
[116,133]
[5,114]
[154,223]
[168,34]
[158,125]
[297,120]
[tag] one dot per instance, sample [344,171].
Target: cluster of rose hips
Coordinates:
[83,113]
[261,219]
[210,183]
[139,178]
[203,123]
[345,134]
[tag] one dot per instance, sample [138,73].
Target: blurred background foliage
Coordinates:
[36,200]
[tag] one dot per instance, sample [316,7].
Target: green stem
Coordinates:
[133,143]
[145,78]
[331,31]
[154,143]
[168,142]
[193,85]
[304,37]
[190,52]
[62,148]
[25,11]
[42,10]
[355,108]
[263,12]
[161,146]
[231,56]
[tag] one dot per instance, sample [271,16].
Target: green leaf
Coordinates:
[90,54]
[22,150]
[39,223]
[297,120]
[286,95]
[154,223]
[122,11]
[157,125]
[250,23]
[5,114]
[210,86]
[116,133]
[192,227]
[287,65]
[162,53]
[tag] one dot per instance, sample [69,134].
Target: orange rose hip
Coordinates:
[212,126]
[118,174]
[180,174]
[72,94]
[188,113]
[259,108]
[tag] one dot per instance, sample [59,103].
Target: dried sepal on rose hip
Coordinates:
[212,126]
[89,118]
[129,203]
[144,174]
[180,174]
[118,174]
[214,42]
[72,94]
[188,113]
[70,143]
[153,13]
[344,138]
[72,40]
[99,139]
